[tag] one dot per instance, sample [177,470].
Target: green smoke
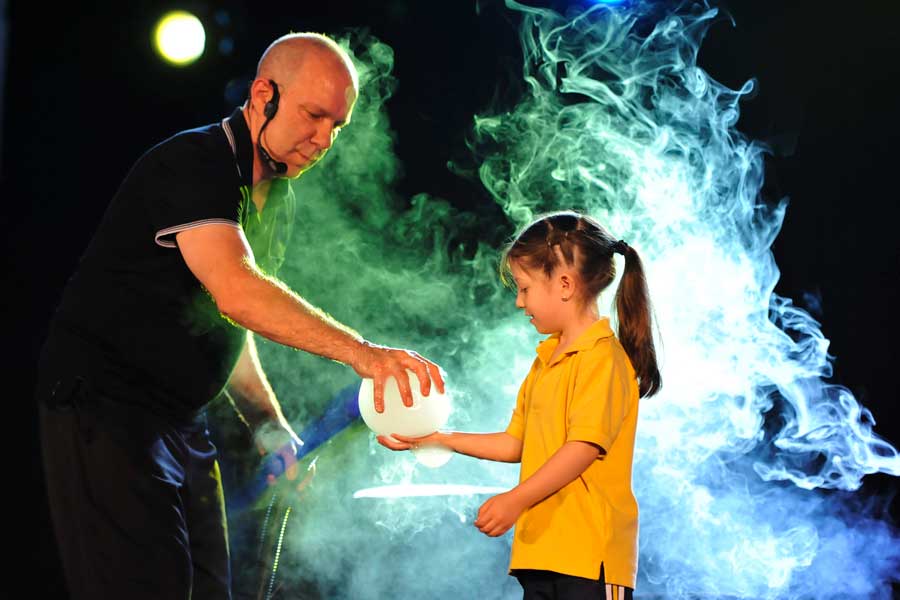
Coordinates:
[393,269]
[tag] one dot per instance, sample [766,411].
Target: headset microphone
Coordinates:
[269,111]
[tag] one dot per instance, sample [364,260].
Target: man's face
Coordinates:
[311,111]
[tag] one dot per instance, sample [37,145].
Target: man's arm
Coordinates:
[250,392]
[254,400]
[221,259]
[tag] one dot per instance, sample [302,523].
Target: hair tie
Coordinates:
[555,236]
[620,247]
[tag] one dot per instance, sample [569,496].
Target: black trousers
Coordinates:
[550,585]
[136,500]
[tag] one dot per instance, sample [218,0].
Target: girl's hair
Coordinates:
[585,245]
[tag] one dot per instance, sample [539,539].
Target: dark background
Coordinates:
[84,96]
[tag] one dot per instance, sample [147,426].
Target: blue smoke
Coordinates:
[747,460]
[734,453]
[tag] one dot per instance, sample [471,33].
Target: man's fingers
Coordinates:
[379,393]
[436,374]
[427,372]
[310,473]
[388,362]
[420,367]
[405,392]
[290,463]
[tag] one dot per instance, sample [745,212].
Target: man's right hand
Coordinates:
[380,362]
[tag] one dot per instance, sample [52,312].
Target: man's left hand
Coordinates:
[277,438]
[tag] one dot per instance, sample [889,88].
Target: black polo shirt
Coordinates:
[133,317]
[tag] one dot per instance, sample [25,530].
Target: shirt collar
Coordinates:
[243,145]
[598,330]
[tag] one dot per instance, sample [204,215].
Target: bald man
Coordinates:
[159,319]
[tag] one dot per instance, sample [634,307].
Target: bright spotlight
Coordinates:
[179,38]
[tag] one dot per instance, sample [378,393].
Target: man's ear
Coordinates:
[260,93]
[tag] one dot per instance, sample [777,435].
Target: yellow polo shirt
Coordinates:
[588,393]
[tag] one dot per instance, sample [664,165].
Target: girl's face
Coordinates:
[540,297]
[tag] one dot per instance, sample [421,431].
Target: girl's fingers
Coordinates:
[391,444]
[411,440]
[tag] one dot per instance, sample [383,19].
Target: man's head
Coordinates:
[317,87]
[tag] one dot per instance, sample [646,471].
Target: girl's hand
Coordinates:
[499,513]
[402,442]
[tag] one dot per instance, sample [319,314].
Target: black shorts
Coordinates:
[550,585]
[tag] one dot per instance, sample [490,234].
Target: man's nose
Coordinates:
[324,135]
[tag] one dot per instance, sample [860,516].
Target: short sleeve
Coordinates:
[193,183]
[516,427]
[600,401]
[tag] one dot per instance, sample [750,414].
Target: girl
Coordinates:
[573,427]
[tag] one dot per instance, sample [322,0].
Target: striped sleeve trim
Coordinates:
[171,231]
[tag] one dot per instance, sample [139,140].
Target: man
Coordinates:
[157,320]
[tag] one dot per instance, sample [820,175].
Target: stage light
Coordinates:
[179,38]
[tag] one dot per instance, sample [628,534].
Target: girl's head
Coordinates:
[564,260]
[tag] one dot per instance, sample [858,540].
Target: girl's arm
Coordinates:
[499,446]
[562,468]
[499,513]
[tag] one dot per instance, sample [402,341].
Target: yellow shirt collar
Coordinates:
[598,330]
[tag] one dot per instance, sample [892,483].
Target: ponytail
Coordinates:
[635,323]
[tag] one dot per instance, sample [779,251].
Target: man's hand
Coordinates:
[499,513]
[277,438]
[380,362]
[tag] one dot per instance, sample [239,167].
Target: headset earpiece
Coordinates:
[271,106]
[269,111]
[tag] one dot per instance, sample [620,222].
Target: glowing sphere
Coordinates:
[426,415]
[179,38]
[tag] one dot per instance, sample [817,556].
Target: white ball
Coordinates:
[426,415]
[432,456]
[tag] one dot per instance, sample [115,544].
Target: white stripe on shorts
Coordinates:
[615,592]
